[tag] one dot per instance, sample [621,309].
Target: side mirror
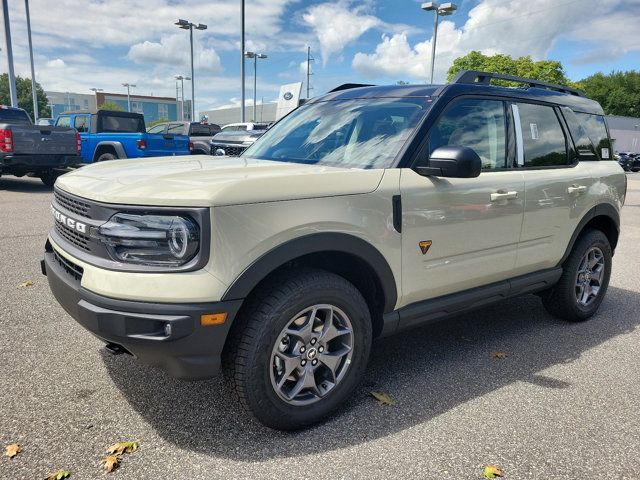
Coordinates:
[452,161]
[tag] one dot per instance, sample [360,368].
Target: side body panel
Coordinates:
[474,240]
[553,210]
[244,233]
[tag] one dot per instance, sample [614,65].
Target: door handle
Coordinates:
[576,189]
[503,196]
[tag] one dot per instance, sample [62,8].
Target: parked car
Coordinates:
[200,134]
[108,135]
[234,139]
[45,121]
[629,161]
[35,150]
[366,211]
[245,126]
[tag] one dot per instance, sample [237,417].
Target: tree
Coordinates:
[617,92]
[111,106]
[23,91]
[544,70]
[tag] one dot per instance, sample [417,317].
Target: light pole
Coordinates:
[242,86]
[129,86]
[187,25]
[7,37]
[440,11]
[309,73]
[255,57]
[34,94]
[182,79]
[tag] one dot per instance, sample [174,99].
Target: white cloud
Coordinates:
[518,27]
[338,24]
[174,50]
[56,63]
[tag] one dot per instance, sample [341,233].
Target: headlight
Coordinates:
[157,240]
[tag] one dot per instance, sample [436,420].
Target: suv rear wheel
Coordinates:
[300,348]
[584,281]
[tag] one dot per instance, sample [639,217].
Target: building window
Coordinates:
[136,107]
[163,111]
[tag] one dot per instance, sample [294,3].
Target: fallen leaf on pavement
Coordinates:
[383,398]
[122,447]
[110,463]
[491,471]
[59,475]
[26,284]
[495,354]
[12,450]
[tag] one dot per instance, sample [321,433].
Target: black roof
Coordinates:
[533,90]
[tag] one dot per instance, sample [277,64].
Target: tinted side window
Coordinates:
[477,124]
[63,122]
[175,128]
[81,123]
[199,130]
[117,123]
[579,135]
[544,141]
[597,131]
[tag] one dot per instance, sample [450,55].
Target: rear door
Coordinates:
[558,185]
[471,226]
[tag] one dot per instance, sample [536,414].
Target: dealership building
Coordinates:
[625,132]
[153,108]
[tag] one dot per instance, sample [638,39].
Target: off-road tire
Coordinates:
[560,300]
[247,355]
[106,156]
[49,178]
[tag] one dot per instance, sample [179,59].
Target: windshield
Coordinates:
[360,133]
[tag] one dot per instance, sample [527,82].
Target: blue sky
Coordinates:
[103,43]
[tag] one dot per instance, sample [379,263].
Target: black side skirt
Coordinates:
[435,309]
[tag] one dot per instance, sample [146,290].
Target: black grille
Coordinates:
[71,268]
[73,205]
[76,238]
[231,151]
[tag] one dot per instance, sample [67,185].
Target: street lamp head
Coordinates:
[187,78]
[447,9]
[249,54]
[182,23]
[428,6]
[201,26]
[261,55]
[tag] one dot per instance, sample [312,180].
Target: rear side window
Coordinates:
[175,128]
[473,123]
[120,124]
[81,123]
[597,131]
[157,128]
[199,130]
[544,142]
[63,122]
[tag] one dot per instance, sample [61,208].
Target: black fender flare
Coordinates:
[117,146]
[316,243]
[600,210]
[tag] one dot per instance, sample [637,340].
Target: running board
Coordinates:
[435,309]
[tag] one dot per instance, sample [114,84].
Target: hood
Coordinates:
[203,181]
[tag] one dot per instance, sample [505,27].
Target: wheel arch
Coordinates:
[346,255]
[103,147]
[603,217]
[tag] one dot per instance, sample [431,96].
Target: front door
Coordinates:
[460,233]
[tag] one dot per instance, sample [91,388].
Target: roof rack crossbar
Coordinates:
[474,76]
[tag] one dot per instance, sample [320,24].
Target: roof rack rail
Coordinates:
[474,76]
[347,86]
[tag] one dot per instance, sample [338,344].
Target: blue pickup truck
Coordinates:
[107,135]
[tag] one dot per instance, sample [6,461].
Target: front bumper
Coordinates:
[168,336]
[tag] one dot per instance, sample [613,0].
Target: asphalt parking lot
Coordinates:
[564,404]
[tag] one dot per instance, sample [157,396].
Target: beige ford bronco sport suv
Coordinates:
[365,212]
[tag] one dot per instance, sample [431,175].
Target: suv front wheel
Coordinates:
[584,281]
[300,349]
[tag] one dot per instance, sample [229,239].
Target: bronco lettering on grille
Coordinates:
[68,221]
